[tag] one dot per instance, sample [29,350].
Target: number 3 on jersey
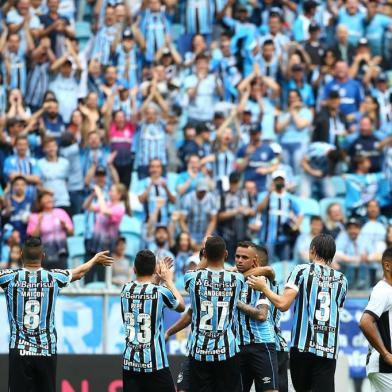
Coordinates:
[144,322]
[31,317]
[207,306]
[323,313]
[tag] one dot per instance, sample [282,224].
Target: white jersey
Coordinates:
[380,307]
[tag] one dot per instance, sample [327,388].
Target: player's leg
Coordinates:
[158,381]
[45,369]
[20,373]
[265,365]
[183,382]
[380,382]
[300,368]
[247,375]
[283,363]
[323,374]
[131,381]
[228,375]
[201,376]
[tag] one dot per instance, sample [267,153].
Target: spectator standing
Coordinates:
[198,214]
[53,225]
[256,159]
[55,173]
[281,219]
[334,222]
[352,16]
[122,266]
[108,218]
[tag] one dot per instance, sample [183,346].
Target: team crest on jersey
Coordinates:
[180,377]
[263,156]
[266,380]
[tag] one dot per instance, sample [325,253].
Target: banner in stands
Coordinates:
[80,329]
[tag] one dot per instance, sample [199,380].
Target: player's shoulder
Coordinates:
[302,268]
[59,274]
[8,274]
[381,288]
[237,275]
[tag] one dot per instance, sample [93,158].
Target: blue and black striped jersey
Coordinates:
[280,341]
[254,331]
[142,307]
[214,297]
[31,300]
[321,295]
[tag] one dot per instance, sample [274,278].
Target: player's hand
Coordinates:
[164,273]
[387,359]
[167,336]
[257,282]
[103,258]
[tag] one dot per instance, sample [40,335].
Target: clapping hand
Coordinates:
[103,258]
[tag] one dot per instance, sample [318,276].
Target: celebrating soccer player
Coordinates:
[376,326]
[256,331]
[145,364]
[213,347]
[319,293]
[31,295]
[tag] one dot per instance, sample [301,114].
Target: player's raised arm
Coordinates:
[180,324]
[282,302]
[102,258]
[166,276]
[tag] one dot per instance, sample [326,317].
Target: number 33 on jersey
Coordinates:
[321,295]
[142,307]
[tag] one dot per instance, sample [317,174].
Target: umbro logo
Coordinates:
[266,380]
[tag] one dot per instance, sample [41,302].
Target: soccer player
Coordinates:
[256,332]
[319,293]
[31,294]
[280,342]
[145,364]
[375,325]
[212,345]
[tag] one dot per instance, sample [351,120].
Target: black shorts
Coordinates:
[259,364]
[310,372]
[183,381]
[158,381]
[219,376]
[283,364]
[31,373]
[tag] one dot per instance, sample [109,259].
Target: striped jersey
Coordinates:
[321,295]
[254,331]
[280,341]
[142,307]
[214,297]
[31,300]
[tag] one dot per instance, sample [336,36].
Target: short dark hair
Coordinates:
[215,248]
[387,256]
[32,250]
[18,178]
[323,245]
[262,253]
[145,262]
[315,218]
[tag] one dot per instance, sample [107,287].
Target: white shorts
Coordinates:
[381,382]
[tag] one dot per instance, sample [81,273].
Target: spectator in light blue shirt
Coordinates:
[376,26]
[55,174]
[293,127]
[351,16]
[302,22]
[298,82]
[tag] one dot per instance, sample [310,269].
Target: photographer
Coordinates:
[281,219]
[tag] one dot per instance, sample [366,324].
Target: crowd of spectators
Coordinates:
[156,123]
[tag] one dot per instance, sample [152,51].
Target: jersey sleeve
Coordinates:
[188,278]
[6,276]
[62,277]
[168,298]
[296,278]
[378,303]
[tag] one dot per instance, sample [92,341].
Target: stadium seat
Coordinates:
[308,206]
[83,30]
[324,204]
[131,225]
[339,185]
[133,244]
[76,246]
[79,224]
[177,30]
[172,180]
[95,285]
[134,183]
